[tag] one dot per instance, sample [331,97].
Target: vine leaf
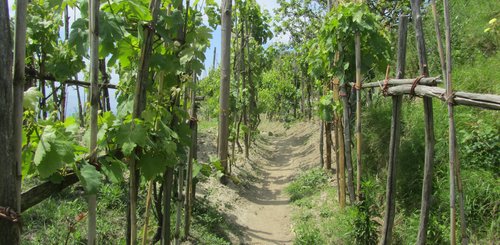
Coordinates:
[131,135]
[52,152]
[151,165]
[90,178]
[30,99]
[113,169]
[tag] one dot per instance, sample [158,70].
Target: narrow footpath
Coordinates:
[278,156]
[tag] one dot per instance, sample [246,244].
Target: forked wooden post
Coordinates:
[397,102]
[429,127]
[340,146]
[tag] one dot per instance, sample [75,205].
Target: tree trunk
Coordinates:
[224,87]
[397,102]
[9,179]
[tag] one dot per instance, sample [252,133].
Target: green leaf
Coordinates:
[90,179]
[152,165]
[131,135]
[52,152]
[30,99]
[196,168]
[113,169]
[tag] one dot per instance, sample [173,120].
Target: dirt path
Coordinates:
[265,217]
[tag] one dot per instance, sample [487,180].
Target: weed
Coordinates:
[306,184]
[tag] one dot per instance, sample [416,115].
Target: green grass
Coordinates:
[49,222]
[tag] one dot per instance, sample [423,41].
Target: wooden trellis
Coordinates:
[425,87]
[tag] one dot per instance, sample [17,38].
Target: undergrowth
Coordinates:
[54,221]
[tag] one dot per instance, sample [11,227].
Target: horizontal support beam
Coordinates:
[32,73]
[43,191]
[429,81]
[486,101]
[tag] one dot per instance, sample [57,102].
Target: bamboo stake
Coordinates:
[429,127]
[397,102]
[357,47]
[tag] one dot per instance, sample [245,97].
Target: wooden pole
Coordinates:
[339,132]
[397,102]
[347,144]
[357,47]
[224,86]
[139,106]
[193,123]
[321,143]
[454,166]
[429,127]
[94,103]
[10,178]
[486,101]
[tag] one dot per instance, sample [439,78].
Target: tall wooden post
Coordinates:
[224,86]
[139,106]
[10,195]
[341,149]
[397,102]
[454,163]
[429,127]
[193,123]
[94,107]
[357,47]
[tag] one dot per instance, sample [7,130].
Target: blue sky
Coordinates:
[215,42]
[270,5]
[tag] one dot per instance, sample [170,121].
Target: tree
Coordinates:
[9,199]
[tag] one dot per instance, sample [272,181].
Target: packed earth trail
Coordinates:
[279,155]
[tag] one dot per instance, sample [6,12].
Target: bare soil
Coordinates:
[258,206]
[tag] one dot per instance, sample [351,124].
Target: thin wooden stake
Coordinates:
[429,127]
[397,102]
[454,167]
[357,46]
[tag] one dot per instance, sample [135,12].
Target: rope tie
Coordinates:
[414,85]
[450,99]
[9,214]
[385,88]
